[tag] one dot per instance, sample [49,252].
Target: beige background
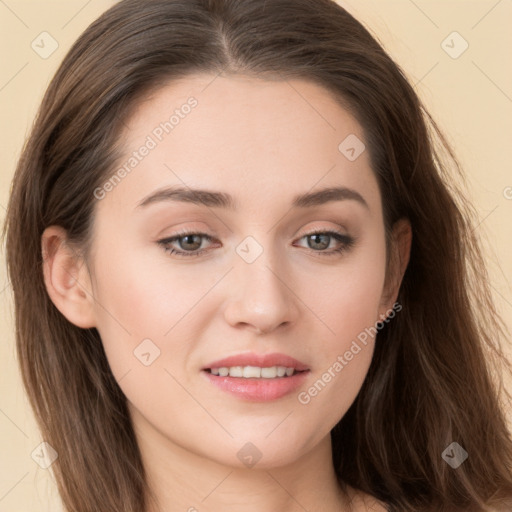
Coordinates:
[470,96]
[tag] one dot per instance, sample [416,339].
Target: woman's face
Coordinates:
[253,281]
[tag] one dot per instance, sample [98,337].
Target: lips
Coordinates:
[257,389]
[261,360]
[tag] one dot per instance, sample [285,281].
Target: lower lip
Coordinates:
[258,390]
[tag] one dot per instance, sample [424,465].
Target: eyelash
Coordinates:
[346,241]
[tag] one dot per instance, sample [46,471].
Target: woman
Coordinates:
[323,343]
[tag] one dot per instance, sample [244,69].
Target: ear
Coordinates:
[400,249]
[66,278]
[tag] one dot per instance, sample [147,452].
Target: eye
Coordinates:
[320,240]
[188,240]
[190,243]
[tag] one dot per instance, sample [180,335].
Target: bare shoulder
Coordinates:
[362,502]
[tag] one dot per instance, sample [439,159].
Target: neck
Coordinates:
[184,481]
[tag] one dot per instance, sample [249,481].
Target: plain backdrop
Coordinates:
[467,90]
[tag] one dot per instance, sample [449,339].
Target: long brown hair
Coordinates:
[431,381]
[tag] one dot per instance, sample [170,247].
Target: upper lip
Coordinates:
[261,360]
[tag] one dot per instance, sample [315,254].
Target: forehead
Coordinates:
[253,138]
[245,106]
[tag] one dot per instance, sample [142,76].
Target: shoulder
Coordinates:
[362,502]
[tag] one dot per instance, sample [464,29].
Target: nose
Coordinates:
[264,298]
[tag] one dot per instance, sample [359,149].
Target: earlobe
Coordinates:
[66,278]
[399,259]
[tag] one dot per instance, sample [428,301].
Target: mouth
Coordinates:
[257,378]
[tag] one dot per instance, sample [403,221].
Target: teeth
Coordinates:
[236,371]
[269,373]
[251,371]
[248,372]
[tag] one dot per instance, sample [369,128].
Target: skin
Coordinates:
[291,299]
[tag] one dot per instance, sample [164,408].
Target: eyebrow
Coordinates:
[222,200]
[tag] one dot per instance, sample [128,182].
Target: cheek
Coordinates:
[139,298]
[349,304]
[348,299]
[346,351]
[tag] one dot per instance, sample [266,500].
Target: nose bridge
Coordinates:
[263,297]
